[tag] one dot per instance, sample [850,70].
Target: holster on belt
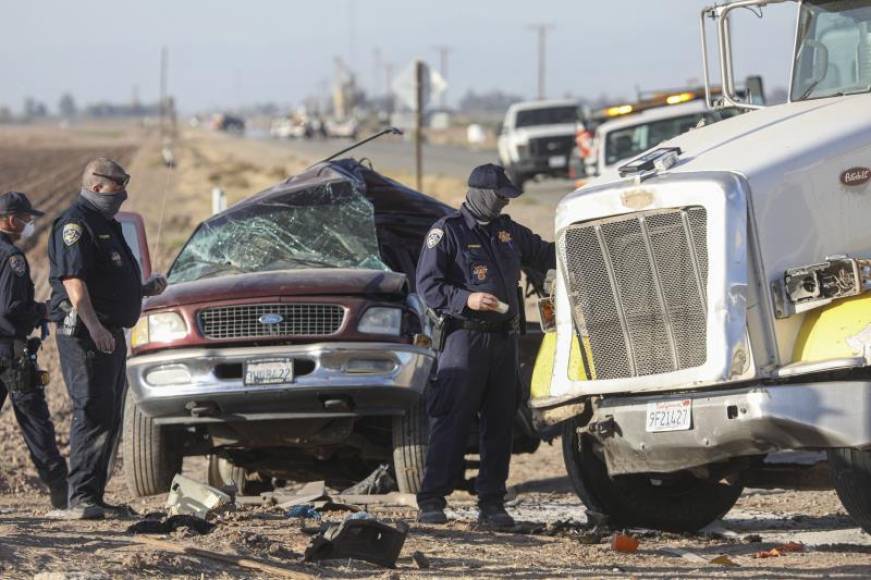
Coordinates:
[439,329]
[71,325]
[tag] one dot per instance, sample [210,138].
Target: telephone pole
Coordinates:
[542,30]
[164,64]
[443,51]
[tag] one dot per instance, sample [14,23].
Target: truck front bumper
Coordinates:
[206,385]
[733,423]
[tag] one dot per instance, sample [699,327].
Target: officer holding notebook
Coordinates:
[468,276]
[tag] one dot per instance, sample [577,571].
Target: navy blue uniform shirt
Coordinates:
[85,244]
[461,256]
[19,313]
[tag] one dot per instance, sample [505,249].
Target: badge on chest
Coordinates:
[480,272]
[115,256]
[18,265]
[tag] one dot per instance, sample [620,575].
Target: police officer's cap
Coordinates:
[17,202]
[490,176]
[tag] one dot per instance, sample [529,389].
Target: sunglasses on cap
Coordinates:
[120,181]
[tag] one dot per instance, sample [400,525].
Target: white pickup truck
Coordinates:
[711,303]
[537,138]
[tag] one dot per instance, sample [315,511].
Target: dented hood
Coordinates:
[310,282]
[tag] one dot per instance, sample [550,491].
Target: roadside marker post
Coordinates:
[219,200]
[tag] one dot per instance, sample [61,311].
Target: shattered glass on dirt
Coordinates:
[326,226]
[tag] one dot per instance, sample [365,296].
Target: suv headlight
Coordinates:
[381,321]
[160,327]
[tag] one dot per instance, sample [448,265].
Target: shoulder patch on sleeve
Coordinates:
[18,265]
[434,236]
[72,233]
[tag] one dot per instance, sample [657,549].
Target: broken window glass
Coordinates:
[325,226]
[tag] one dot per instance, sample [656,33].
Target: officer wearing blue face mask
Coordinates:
[96,293]
[467,275]
[20,314]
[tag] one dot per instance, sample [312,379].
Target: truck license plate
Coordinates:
[557,161]
[669,416]
[269,371]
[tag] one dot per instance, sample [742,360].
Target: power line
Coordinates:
[542,30]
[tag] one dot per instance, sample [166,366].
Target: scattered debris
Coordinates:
[190,497]
[724,560]
[359,516]
[421,560]
[772,553]
[368,540]
[624,543]
[170,524]
[378,482]
[242,562]
[686,555]
[307,494]
[753,538]
[393,499]
[303,511]
[788,548]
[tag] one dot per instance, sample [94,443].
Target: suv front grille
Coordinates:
[638,289]
[547,146]
[271,320]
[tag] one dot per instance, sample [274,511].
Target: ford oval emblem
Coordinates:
[856,176]
[271,318]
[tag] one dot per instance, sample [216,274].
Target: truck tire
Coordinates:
[222,473]
[851,474]
[152,454]
[410,442]
[685,504]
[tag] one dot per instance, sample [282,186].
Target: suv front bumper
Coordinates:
[734,423]
[208,383]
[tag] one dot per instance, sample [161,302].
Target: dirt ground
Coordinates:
[46,162]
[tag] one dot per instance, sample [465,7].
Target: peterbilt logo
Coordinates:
[270,318]
[856,176]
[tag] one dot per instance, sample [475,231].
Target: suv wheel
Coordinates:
[851,474]
[222,473]
[152,454]
[410,441]
[682,503]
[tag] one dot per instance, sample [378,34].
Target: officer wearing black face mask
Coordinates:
[97,292]
[467,275]
[19,315]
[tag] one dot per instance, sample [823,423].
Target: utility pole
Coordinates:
[376,72]
[419,71]
[388,93]
[443,51]
[164,63]
[542,30]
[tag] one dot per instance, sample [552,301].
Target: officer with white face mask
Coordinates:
[19,315]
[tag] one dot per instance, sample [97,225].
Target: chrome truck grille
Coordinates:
[637,285]
[271,320]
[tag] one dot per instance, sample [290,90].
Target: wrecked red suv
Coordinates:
[290,343]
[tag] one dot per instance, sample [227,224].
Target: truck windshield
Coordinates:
[327,226]
[628,142]
[548,116]
[834,49]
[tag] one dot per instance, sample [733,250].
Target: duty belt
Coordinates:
[500,326]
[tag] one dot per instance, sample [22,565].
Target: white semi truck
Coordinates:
[710,305]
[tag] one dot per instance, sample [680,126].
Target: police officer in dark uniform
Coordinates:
[97,292]
[19,315]
[468,276]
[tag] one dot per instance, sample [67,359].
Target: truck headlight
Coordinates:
[160,327]
[381,321]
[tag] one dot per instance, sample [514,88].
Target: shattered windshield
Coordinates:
[326,226]
[834,54]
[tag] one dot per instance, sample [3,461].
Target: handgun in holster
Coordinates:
[21,373]
[71,324]
[439,329]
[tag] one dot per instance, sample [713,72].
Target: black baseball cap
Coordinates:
[490,176]
[17,202]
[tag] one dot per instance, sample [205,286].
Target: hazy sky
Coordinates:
[225,53]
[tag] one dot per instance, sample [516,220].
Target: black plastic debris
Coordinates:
[367,540]
[379,482]
[170,524]
[421,560]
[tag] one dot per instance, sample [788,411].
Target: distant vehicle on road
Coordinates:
[537,138]
[228,123]
[341,128]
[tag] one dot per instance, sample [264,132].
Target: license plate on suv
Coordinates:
[273,371]
[669,416]
[557,161]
